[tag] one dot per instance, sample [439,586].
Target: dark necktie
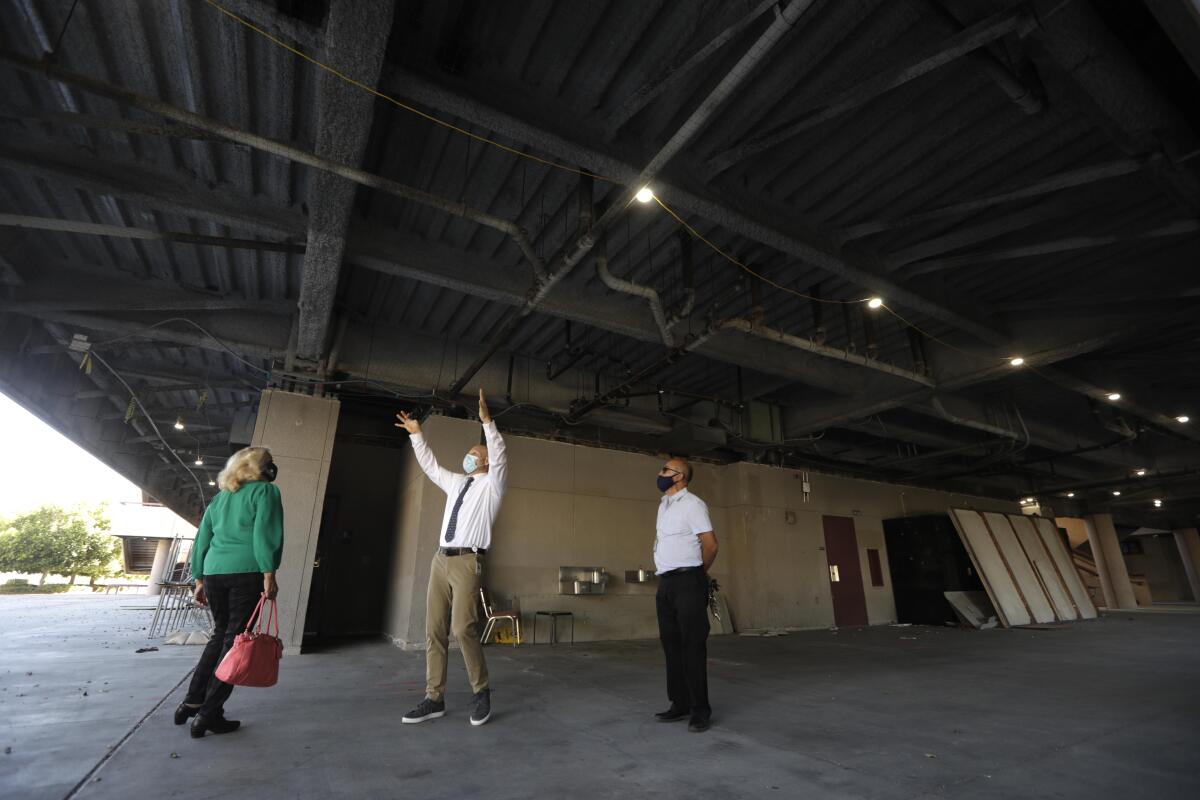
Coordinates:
[454,514]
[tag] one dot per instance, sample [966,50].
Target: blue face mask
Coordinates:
[665,482]
[470,463]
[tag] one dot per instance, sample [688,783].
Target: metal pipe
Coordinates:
[620,390]
[699,118]
[970,423]
[771,334]
[276,148]
[637,290]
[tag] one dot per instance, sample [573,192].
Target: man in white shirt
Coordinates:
[684,550]
[472,503]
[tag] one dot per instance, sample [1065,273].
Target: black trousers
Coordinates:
[232,599]
[682,604]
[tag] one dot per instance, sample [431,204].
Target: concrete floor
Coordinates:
[1103,709]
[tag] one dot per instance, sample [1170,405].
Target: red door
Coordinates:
[845,572]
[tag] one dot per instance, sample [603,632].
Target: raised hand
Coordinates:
[408,422]
[484,415]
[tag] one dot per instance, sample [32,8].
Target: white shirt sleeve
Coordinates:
[441,476]
[497,457]
[698,519]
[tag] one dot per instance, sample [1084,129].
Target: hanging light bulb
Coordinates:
[1183,418]
[644,194]
[1114,396]
[212,482]
[179,423]
[199,462]
[1141,473]
[875,302]
[1158,503]
[1017,361]
[1116,492]
[1070,494]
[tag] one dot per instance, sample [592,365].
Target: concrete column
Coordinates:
[1188,542]
[298,429]
[1110,562]
[160,566]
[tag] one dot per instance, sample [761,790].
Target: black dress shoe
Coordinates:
[672,714]
[185,712]
[202,725]
[698,723]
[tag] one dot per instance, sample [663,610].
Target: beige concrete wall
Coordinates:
[299,431]
[570,505]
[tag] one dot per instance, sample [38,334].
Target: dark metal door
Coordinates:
[845,572]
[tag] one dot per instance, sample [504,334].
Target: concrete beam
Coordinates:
[356,37]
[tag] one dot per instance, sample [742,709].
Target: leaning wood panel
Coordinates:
[1028,536]
[1018,564]
[990,566]
[1066,567]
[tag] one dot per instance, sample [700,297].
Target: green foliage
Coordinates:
[53,540]
[49,588]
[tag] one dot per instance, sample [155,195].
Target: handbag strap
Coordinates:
[256,615]
[272,618]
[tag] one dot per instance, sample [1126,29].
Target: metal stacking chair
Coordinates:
[494,617]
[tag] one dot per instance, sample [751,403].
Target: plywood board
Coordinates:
[1066,567]
[1018,564]
[974,608]
[1031,541]
[990,566]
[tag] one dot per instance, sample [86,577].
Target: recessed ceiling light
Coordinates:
[875,302]
[644,195]
[1115,396]
[1183,418]
[1017,361]
[1116,492]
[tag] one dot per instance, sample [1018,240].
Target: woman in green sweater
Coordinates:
[237,551]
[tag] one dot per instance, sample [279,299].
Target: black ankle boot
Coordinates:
[185,712]
[202,724]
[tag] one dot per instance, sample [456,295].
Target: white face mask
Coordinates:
[470,463]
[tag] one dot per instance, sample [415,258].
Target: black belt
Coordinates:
[461,551]
[681,571]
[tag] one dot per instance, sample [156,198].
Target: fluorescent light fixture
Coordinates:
[179,423]
[644,195]
[875,302]
[1018,361]
[1184,418]
[1115,396]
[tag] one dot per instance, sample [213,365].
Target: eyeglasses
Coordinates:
[668,469]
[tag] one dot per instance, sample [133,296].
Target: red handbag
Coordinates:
[254,658]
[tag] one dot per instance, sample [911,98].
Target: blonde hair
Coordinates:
[242,467]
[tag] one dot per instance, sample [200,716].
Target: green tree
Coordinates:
[53,540]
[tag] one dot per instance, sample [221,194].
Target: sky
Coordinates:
[42,466]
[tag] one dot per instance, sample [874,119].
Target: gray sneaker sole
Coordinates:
[478,722]
[415,720]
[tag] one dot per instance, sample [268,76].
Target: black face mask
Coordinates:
[269,472]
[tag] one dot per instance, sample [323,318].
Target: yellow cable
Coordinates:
[398,103]
[716,249]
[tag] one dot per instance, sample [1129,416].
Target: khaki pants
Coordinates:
[454,583]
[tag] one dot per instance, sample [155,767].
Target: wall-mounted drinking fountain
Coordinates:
[582,580]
